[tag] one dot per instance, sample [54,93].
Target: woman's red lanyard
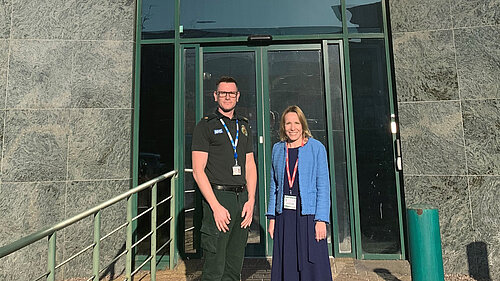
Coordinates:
[291,179]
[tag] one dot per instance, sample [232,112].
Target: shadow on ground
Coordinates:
[385,274]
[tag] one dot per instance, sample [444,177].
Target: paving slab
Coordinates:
[259,269]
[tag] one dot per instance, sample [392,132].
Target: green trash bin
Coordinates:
[426,259]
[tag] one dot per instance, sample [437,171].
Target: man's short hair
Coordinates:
[226,79]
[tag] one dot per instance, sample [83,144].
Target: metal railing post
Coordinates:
[51,261]
[97,245]
[172,224]
[128,266]
[154,193]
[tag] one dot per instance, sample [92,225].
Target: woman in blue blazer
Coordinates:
[299,203]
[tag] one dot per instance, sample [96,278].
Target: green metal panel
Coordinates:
[157,41]
[180,226]
[329,136]
[347,147]
[259,250]
[199,83]
[301,47]
[198,114]
[277,39]
[135,129]
[395,134]
[232,49]
[331,154]
[178,133]
[350,142]
[352,152]
[265,156]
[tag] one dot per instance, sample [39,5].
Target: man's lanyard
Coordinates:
[233,143]
[291,179]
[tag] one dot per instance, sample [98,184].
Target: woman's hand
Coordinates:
[319,229]
[270,229]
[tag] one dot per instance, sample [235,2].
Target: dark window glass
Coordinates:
[378,205]
[296,78]
[157,19]
[156,135]
[364,16]
[192,196]
[225,18]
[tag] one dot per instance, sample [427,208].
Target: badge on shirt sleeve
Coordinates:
[218,131]
[244,130]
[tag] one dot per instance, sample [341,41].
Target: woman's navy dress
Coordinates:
[296,254]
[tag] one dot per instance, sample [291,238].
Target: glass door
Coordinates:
[309,76]
[270,78]
[240,63]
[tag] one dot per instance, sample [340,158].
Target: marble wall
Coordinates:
[66,77]
[447,66]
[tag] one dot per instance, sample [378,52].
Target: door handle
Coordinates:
[399,160]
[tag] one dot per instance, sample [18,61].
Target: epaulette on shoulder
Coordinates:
[241,117]
[209,117]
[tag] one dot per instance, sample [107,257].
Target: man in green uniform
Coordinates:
[225,171]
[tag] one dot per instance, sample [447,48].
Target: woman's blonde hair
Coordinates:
[302,119]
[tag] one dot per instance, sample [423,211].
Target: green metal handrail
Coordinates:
[51,232]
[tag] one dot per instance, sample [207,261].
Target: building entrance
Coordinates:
[270,79]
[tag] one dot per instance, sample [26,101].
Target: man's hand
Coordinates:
[320,230]
[247,213]
[221,217]
[270,229]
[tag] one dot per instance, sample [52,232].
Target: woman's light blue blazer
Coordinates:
[314,180]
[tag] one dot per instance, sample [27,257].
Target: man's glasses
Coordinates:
[224,94]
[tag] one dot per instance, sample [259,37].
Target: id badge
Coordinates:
[290,202]
[236,170]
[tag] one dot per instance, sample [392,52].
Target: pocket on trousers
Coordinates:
[209,241]
[209,232]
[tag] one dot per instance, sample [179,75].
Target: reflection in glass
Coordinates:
[157,19]
[227,18]
[296,78]
[155,143]
[374,151]
[364,16]
[340,158]
[241,66]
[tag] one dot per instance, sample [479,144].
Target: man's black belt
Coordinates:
[235,188]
